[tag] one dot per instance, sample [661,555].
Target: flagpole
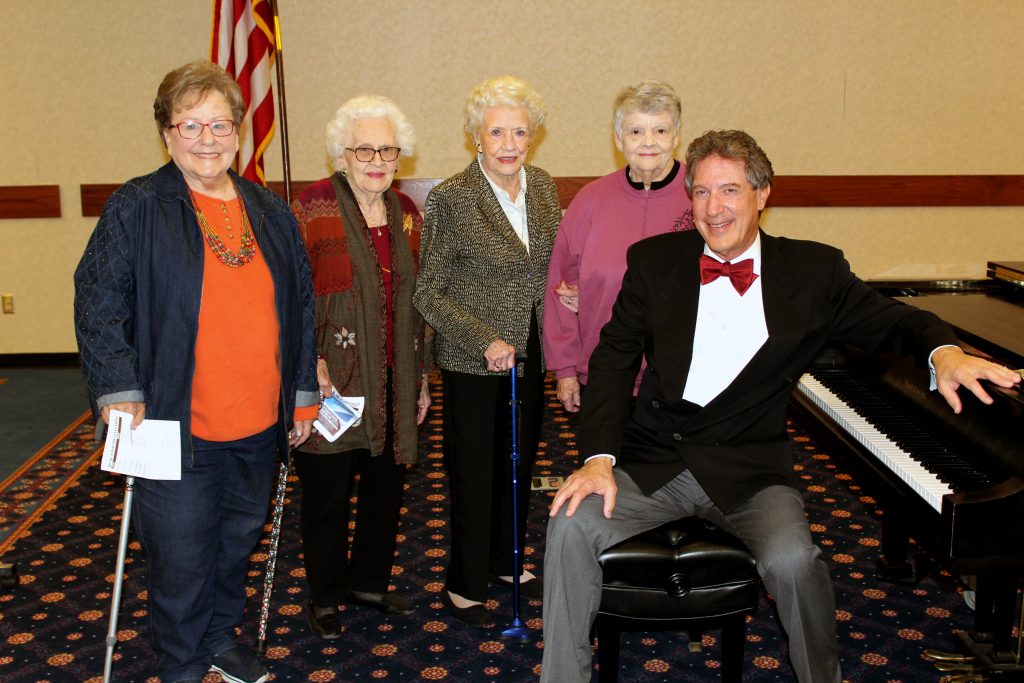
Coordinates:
[281,106]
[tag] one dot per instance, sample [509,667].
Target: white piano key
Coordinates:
[898,461]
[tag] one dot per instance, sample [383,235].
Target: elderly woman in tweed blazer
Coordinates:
[487,240]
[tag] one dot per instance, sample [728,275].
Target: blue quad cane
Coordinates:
[517,629]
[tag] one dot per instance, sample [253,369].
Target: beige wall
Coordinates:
[826,86]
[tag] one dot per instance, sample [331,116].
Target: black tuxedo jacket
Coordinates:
[737,443]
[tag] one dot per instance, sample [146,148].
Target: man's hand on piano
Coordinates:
[955,369]
[594,477]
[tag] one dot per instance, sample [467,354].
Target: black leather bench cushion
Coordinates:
[683,569]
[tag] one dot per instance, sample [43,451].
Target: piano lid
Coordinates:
[1007,271]
[993,324]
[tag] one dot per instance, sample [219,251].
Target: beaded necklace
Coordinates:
[220,250]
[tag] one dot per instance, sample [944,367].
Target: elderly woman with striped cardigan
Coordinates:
[487,239]
[363,238]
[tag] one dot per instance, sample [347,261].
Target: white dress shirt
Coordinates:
[515,210]
[730,330]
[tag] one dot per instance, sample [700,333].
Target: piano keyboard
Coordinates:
[925,483]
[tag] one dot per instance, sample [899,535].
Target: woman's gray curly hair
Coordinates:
[649,97]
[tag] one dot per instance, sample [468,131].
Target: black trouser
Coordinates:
[327,485]
[476,455]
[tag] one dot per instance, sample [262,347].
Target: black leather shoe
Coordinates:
[531,589]
[326,625]
[388,603]
[476,615]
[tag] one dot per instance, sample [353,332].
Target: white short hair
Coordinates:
[649,97]
[368,107]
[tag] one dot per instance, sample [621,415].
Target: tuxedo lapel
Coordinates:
[786,305]
[676,320]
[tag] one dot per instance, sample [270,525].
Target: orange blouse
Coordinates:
[237,382]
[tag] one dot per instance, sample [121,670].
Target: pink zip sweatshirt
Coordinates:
[603,220]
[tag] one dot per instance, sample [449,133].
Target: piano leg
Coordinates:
[896,564]
[990,643]
[1004,609]
[984,610]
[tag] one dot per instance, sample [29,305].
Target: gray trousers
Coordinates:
[772,524]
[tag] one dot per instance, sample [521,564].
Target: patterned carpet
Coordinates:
[60,515]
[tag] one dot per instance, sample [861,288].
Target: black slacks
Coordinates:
[477,438]
[328,483]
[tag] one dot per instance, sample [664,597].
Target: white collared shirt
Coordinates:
[730,330]
[515,210]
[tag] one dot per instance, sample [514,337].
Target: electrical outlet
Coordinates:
[8,303]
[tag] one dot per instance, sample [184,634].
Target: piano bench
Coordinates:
[686,575]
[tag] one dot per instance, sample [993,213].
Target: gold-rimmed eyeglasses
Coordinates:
[190,130]
[365,154]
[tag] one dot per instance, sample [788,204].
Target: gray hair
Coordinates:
[503,91]
[649,97]
[730,144]
[368,107]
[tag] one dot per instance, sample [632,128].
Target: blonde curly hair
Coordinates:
[503,91]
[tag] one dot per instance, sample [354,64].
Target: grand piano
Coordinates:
[953,482]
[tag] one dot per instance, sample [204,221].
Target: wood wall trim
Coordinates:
[788,191]
[95,196]
[30,201]
[895,190]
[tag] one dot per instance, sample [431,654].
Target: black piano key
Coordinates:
[947,462]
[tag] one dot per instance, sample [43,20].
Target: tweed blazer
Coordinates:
[477,282]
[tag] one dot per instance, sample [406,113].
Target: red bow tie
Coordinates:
[740,273]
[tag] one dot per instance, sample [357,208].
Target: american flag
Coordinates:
[243,43]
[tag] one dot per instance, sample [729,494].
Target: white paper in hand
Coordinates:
[153,451]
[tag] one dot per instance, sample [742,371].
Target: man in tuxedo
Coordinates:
[728,319]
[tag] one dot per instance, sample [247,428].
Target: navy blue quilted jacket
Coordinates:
[138,289]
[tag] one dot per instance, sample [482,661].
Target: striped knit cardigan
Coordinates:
[350,311]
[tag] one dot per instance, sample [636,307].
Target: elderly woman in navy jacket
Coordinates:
[193,303]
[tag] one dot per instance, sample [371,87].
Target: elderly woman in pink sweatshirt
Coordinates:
[647,197]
